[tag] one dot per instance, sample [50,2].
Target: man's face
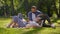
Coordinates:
[33,9]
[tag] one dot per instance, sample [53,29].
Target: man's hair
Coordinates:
[34,7]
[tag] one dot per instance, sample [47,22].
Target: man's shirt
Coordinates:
[32,16]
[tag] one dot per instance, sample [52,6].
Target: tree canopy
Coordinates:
[13,7]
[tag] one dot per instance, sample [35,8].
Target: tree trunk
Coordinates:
[12,8]
[39,5]
[59,9]
[26,5]
[55,8]
[48,11]
[5,9]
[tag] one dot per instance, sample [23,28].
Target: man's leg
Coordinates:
[49,22]
[46,25]
[48,19]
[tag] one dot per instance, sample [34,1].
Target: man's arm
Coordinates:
[29,16]
[39,12]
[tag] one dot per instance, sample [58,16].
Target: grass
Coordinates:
[44,30]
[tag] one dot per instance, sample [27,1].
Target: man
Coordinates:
[32,16]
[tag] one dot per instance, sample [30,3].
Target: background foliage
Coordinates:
[13,7]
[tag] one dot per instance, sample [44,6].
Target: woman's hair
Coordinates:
[20,15]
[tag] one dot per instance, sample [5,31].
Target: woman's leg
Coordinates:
[10,24]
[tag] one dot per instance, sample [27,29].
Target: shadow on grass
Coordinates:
[3,31]
[6,31]
[34,31]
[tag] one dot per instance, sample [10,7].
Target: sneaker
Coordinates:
[53,26]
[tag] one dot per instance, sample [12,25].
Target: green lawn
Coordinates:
[44,30]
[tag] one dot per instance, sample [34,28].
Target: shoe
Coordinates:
[53,26]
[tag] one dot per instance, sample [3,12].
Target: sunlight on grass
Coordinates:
[44,30]
[4,22]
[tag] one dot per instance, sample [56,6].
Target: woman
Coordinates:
[18,21]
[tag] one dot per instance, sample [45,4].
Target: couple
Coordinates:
[35,19]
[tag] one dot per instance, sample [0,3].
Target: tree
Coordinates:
[26,6]
[4,8]
[12,7]
[55,8]
[59,9]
